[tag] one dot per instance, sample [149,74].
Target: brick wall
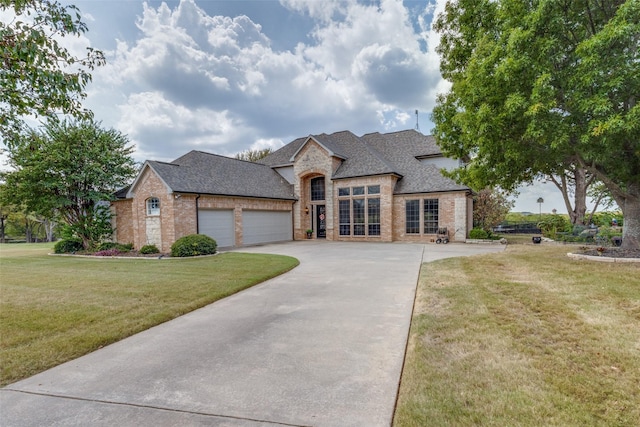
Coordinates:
[387,184]
[311,162]
[122,220]
[449,205]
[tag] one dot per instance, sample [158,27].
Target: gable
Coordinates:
[147,173]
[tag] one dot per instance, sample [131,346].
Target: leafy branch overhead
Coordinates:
[39,76]
[541,87]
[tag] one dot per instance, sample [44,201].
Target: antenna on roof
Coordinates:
[417,124]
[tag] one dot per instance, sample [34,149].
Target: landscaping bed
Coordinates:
[612,252]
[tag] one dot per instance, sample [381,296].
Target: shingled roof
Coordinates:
[204,173]
[394,153]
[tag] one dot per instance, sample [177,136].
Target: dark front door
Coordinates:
[321,220]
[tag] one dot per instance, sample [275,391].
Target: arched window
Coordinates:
[153,206]
[317,188]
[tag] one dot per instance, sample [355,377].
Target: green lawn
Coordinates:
[54,309]
[526,337]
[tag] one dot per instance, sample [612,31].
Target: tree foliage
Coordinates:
[254,155]
[490,208]
[542,86]
[39,76]
[68,168]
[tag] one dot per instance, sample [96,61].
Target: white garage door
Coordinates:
[266,226]
[218,224]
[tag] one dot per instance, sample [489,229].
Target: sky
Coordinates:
[225,76]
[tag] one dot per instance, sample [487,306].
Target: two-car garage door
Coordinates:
[257,226]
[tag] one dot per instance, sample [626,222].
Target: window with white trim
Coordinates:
[153,206]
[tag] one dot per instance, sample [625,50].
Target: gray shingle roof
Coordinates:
[402,150]
[204,173]
[379,154]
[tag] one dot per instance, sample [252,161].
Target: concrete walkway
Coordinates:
[322,345]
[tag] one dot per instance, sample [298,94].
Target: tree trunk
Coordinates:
[631,213]
[580,196]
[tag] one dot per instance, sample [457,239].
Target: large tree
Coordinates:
[543,86]
[69,168]
[39,76]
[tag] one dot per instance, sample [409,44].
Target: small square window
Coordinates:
[373,189]
[358,191]
[343,191]
[153,206]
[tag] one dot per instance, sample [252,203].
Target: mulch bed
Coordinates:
[614,253]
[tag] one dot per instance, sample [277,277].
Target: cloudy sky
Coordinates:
[225,76]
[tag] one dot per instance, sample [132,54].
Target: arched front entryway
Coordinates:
[314,205]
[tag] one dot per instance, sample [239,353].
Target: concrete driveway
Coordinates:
[322,345]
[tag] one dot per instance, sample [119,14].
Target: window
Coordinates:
[358,191]
[153,206]
[373,189]
[430,216]
[344,213]
[373,213]
[358,217]
[412,216]
[317,188]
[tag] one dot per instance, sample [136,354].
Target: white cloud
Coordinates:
[191,80]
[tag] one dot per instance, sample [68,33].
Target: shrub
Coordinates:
[127,247]
[193,245]
[66,246]
[108,252]
[149,249]
[552,225]
[478,233]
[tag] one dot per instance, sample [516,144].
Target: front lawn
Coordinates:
[526,337]
[54,309]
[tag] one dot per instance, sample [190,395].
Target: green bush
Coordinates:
[67,246]
[193,245]
[478,233]
[552,225]
[149,249]
[122,247]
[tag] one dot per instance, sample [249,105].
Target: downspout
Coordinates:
[197,216]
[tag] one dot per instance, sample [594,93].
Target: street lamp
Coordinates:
[540,202]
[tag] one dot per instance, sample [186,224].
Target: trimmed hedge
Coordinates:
[193,245]
[67,246]
[478,233]
[122,247]
[149,249]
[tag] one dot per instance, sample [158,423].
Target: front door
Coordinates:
[321,220]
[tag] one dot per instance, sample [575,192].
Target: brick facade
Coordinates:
[178,214]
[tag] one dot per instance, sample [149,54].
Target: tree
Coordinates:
[70,168]
[574,181]
[490,208]
[39,76]
[542,87]
[254,155]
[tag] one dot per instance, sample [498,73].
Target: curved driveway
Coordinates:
[322,345]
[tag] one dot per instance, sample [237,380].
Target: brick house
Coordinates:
[377,187]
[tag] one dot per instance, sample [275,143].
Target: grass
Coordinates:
[54,309]
[525,337]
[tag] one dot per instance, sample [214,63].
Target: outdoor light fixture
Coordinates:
[306,210]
